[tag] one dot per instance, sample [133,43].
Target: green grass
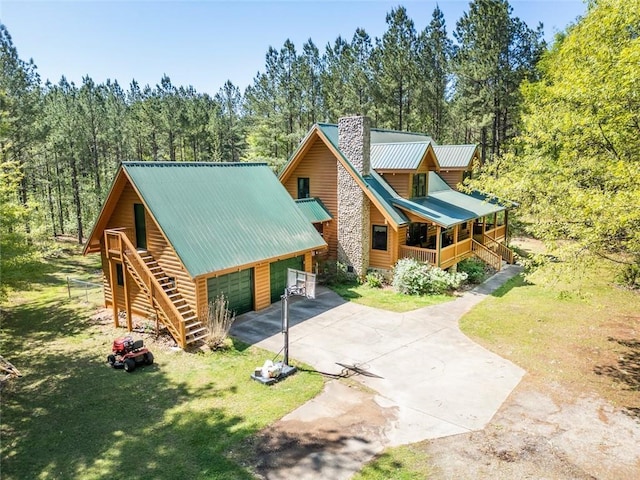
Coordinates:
[386,299]
[71,416]
[400,463]
[580,331]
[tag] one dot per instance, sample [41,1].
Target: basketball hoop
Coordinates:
[300,284]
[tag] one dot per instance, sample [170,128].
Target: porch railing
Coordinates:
[147,281]
[424,255]
[455,253]
[489,257]
[497,233]
[501,249]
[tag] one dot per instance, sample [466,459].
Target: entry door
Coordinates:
[141,227]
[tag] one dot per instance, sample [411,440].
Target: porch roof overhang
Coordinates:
[314,210]
[448,208]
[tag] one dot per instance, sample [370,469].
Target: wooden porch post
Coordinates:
[127,303]
[113,284]
[456,229]
[506,227]
[438,244]
[495,224]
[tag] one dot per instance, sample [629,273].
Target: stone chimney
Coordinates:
[354,141]
[354,236]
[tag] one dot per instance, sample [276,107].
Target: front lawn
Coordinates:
[71,416]
[386,298]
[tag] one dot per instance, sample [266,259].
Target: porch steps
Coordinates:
[195,330]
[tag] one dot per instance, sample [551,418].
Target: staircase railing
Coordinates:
[501,249]
[147,281]
[488,256]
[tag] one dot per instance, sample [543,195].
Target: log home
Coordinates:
[384,198]
[173,236]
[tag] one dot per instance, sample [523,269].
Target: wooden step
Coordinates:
[198,339]
[196,331]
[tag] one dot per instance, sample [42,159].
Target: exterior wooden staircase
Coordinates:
[167,303]
[499,248]
[195,331]
[486,255]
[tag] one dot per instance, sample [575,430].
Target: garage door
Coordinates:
[237,287]
[278,274]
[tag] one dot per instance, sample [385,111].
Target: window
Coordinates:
[419,188]
[379,240]
[119,275]
[303,187]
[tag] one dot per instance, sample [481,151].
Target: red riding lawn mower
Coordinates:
[128,354]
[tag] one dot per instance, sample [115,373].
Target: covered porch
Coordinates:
[445,247]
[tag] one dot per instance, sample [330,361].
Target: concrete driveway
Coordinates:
[419,363]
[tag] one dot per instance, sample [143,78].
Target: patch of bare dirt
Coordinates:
[331,436]
[533,436]
[143,328]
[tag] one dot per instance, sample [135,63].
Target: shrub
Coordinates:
[335,273]
[414,278]
[375,279]
[218,320]
[474,268]
[629,276]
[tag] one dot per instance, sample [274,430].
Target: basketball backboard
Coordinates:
[301,283]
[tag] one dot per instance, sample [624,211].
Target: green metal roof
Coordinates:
[378,135]
[448,207]
[398,156]
[385,196]
[314,210]
[454,156]
[222,215]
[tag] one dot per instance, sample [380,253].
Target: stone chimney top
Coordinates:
[354,141]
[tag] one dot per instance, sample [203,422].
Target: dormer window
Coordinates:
[419,188]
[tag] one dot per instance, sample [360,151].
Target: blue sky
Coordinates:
[205,43]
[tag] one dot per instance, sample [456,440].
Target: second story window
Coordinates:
[303,187]
[419,188]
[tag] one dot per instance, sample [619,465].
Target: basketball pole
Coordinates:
[285,325]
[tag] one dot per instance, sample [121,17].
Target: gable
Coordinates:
[221,215]
[328,135]
[456,157]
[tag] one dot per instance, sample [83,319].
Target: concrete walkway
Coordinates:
[434,380]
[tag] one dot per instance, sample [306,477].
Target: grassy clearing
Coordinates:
[71,416]
[386,298]
[581,333]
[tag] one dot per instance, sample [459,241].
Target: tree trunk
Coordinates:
[59,193]
[50,198]
[76,196]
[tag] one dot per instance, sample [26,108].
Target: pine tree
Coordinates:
[494,53]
